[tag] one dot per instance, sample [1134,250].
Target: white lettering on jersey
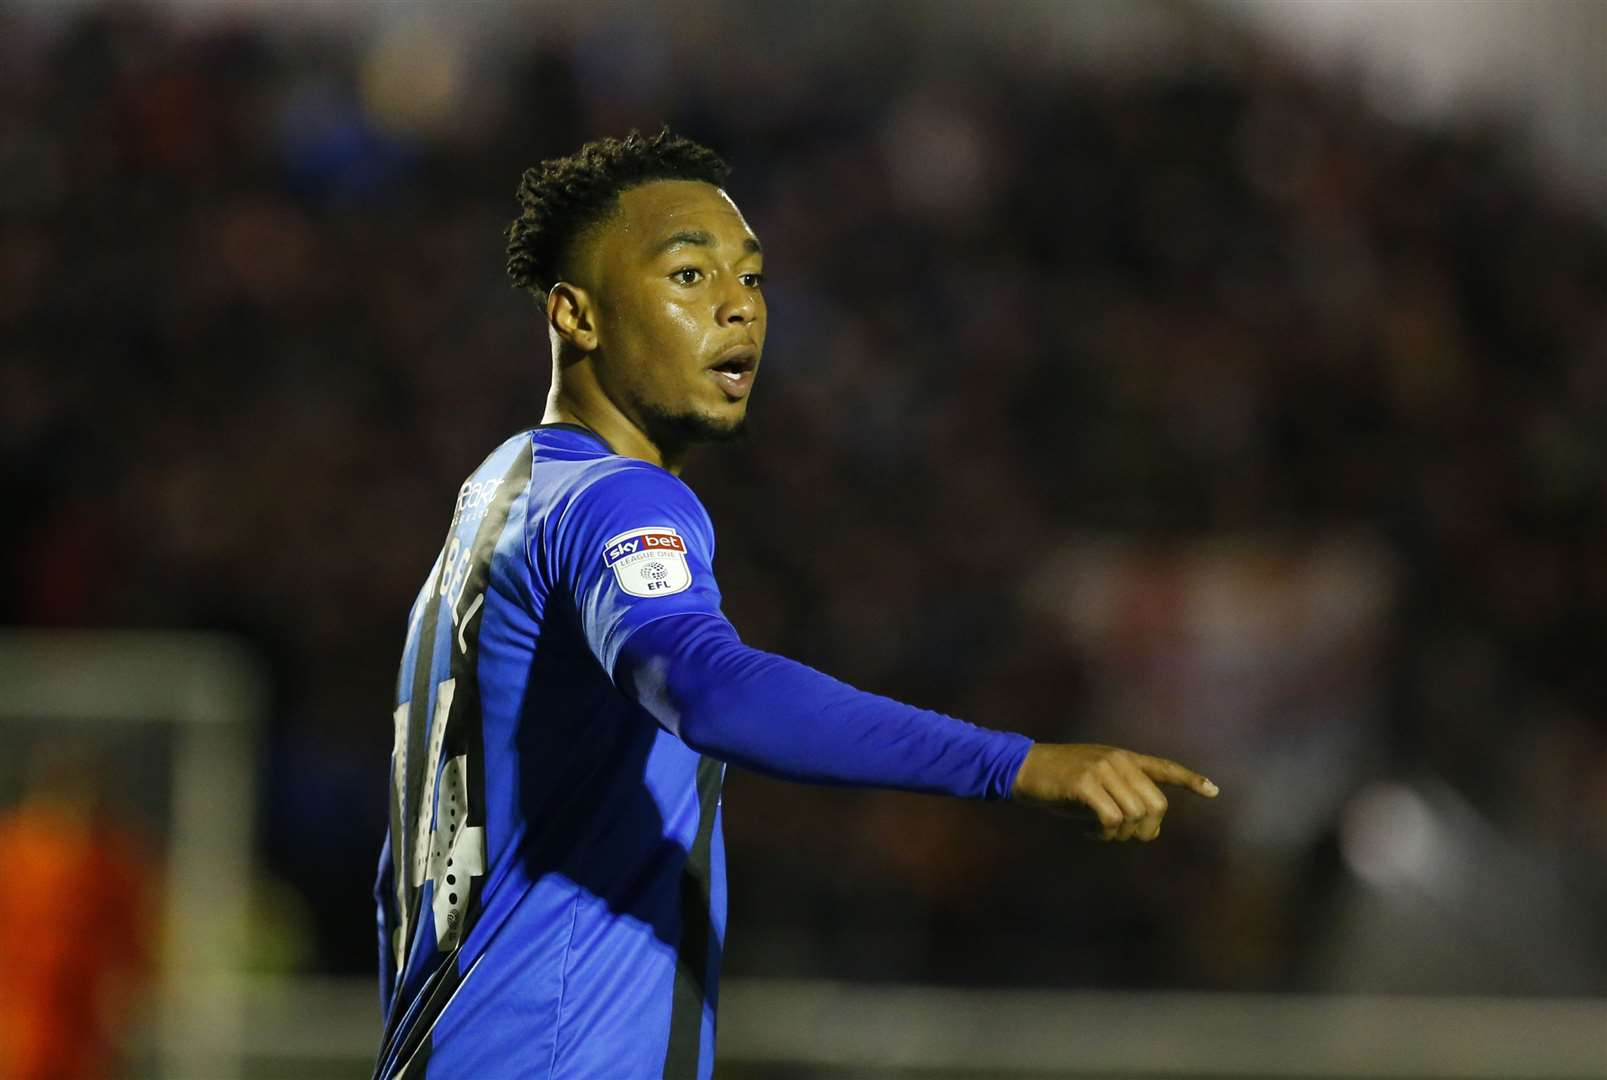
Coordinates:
[474,499]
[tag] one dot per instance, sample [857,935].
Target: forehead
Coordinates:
[652,212]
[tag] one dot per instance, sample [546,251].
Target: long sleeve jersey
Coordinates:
[551,890]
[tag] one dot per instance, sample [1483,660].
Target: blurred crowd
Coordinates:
[254,330]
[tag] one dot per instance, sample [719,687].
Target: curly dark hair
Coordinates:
[560,198]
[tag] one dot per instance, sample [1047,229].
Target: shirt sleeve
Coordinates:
[635,551]
[777,716]
[633,546]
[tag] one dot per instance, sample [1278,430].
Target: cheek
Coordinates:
[660,319]
[669,336]
[681,320]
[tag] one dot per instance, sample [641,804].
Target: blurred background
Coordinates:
[1226,380]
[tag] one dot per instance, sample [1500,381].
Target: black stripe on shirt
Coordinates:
[693,957]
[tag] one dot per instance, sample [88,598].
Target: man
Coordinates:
[552,889]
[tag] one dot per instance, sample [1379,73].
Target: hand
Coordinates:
[1119,786]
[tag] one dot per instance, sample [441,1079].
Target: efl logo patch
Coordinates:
[649,561]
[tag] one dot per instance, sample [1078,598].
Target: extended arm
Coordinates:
[777,716]
[671,650]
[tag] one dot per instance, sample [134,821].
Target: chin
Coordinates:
[725,430]
[696,428]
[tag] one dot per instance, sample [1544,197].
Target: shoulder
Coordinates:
[510,456]
[631,484]
[623,508]
[622,495]
[578,473]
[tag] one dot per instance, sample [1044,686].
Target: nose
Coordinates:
[737,306]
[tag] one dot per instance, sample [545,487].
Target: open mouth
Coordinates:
[734,369]
[736,363]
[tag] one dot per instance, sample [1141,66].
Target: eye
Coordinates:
[687,275]
[752,281]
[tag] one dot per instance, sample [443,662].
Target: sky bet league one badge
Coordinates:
[649,562]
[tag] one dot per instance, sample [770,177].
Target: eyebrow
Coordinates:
[700,238]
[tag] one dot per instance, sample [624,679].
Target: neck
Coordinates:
[595,411]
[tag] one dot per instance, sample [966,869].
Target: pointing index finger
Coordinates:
[1170,772]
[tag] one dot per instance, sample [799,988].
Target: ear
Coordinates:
[571,314]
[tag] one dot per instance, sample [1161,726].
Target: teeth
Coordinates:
[734,376]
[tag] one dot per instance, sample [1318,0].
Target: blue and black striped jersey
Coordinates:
[551,892]
[552,889]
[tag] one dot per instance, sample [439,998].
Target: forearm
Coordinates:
[777,716]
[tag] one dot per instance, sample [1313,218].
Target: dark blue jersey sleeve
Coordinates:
[635,550]
[775,715]
[633,546]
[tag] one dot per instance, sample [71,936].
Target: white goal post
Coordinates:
[209,691]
